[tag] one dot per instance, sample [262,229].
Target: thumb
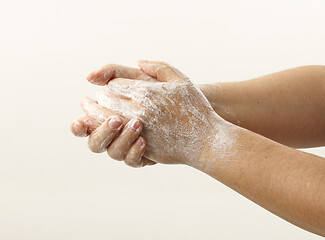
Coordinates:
[162,71]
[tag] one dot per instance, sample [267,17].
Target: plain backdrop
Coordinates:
[53,187]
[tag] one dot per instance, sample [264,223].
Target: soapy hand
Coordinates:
[120,143]
[178,120]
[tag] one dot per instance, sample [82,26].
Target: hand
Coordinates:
[175,113]
[120,143]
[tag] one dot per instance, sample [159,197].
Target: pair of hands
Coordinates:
[156,102]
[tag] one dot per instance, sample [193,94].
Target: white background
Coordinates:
[53,187]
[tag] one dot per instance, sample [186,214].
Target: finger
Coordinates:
[134,156]
[91,123]
[79,128]
[95,111]
[162,71]
[119,96]
[117,88]
[83,126]
[120,88]
[103,135]
[121,145]
[111,71]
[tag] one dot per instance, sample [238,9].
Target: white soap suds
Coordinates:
[179,122]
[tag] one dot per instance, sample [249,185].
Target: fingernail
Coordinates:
[91,76]
[89,123]
[78,128]
[139,142]
[115,122]
[95,80]
[134,124]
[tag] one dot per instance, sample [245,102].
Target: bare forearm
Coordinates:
[287,106]
[285,181]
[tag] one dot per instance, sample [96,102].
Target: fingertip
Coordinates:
[135,125]
[91,76]
[96,78]
[134,155]
[91,124]
[140,142]
[142,61]
[85,100]
[102,76]
[143,65]
[114,122]
[79,129]
[98,81]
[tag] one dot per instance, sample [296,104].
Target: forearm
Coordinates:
[287,106]
[285,181]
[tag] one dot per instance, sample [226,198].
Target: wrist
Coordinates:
[212,92]
[234,152]
[220,96]
[219,145]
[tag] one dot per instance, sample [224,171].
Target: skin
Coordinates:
[283,180]
[166,111]
[288,106]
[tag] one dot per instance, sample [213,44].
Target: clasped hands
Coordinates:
[150,115]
